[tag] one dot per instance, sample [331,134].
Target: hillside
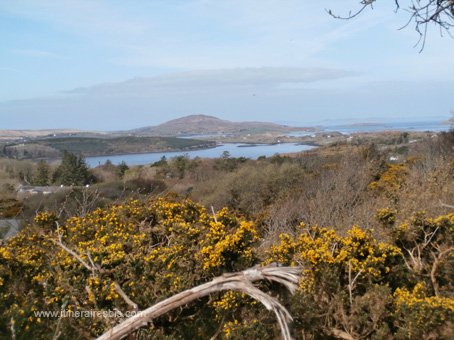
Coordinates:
[53,147]
[15,134]
[343,214]
[209,125]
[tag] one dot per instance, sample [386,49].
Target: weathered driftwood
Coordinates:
[241,281]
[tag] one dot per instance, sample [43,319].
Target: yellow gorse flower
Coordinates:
[316,247]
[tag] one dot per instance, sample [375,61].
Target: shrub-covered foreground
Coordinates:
[354,286]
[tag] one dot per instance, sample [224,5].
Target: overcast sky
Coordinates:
[115,64]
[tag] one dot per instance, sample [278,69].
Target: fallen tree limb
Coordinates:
[241,281]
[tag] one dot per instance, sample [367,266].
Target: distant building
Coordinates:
[28,190]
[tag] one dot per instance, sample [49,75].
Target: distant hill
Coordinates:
[12,134]
[208,125]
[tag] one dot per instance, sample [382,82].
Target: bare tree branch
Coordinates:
[341,334]
[421,13]
[94,268]
[57,332]
[437,260]
[126,298]
[351,282]
[69,251]
[351,14]
[242,282]
[12,328]
[214,215]
[446,205]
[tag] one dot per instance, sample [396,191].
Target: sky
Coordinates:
[115,65]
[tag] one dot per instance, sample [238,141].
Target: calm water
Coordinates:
[235,150]
[405,126]
[434,126]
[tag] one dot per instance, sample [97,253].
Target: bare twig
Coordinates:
[95,269]
[218,331]
[57,332]
[437,260]
[242,282]
[93,273]
[126,298]
[351,14]
[214,214]
[446,205]
[428,238]
[13,330]
[416,261]
[341,334]
[351,282]
[87,202]
[421,13]
[69,251]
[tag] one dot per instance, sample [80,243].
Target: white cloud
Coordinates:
[290,53]
[215,80]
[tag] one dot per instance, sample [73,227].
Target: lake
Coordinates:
[235,150]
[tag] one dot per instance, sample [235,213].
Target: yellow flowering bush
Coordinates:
[363,281]
[390,181]
[316,249]
[149,249]
[220,241]
[422,314]
[386,216]
[428,246]
[243,330]
[44,218]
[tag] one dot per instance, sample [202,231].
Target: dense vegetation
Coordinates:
[371,225]
[91,146]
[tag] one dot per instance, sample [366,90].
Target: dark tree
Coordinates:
[42,174]
[181,164]
[72,171]
[161,162]
[122,168]
[225,155]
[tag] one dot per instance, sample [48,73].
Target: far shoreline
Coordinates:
[53,159]
[90,160]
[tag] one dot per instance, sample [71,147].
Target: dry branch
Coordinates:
[242,282]
[13,330]
[59,243]
[341,334]
[446,205]
[437,260]
[126,298]
[421,14]
[94,268]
